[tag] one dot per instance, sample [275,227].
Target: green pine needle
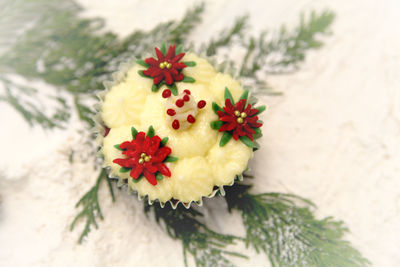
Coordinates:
[283,227]
[91,207]
[207,247]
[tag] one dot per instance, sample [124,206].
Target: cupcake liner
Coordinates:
[99,131]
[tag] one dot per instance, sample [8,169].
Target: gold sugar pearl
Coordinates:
[243,115]
[169,65]
[237,113]
[143,155]
[141,160]
[147,159]
[162,65]
[239,120]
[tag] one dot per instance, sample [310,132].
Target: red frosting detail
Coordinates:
[186,98]
[171,112]
[175,124]
[106,131]
[230,119]
[186,91]
[166,93]
[201,104]
[190,119]
[169,75]
[151,147]
[179,103]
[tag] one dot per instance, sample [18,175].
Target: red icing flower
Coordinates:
[238,119]
[165,67]
[144,156]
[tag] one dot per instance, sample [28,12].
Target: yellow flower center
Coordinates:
[165,64]
[144,158]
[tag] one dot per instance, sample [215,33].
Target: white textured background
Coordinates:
[333,137]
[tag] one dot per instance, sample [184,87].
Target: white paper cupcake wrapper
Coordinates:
[99,130]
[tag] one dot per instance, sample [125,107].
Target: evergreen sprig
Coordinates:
[90,206]
[74,56]
[205,245]
[283,227]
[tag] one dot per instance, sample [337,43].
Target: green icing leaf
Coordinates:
[216,108]
[190,63]
[245,140]
[142,63]
[164,141]
[163,49]
[258,133]
[260,109]
[134,132]
[188,79]
[225,139]
[155,88]
[151,132]
[123,169]
[141,74]
[173,88]
[216,124]
[228,95]
[170,159]
[178,49]
[159,176]
[138,179]
[245,95]
[117,147]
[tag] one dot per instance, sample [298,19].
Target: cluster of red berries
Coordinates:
[180,103]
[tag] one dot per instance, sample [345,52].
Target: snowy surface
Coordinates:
[333,137]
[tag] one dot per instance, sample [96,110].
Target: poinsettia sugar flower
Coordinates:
[238,119]
[165,67]
[145,156]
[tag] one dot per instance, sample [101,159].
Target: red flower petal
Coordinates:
[126,163]
[163,169]
[235,135]
[168,78]
[251,119]
[227,118]
[179,77]
[158,79]
[146,144]
[151,61]
[159,54]
[154,144]
[150,177]
[248,109]
[127,145]
[252,112]
[161,154]
[140,137]
[136,171]
[240,105]
[150,167]
[249,130]
[179,65]
[171,52]
[227,127]
[177,58]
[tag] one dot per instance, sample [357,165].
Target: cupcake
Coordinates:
[175,129]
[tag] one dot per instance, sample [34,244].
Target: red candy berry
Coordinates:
[190,119]
[179,103]
[171,112]
[186,91]
[201,104]
[175,124]
[166,93]
[186,98]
